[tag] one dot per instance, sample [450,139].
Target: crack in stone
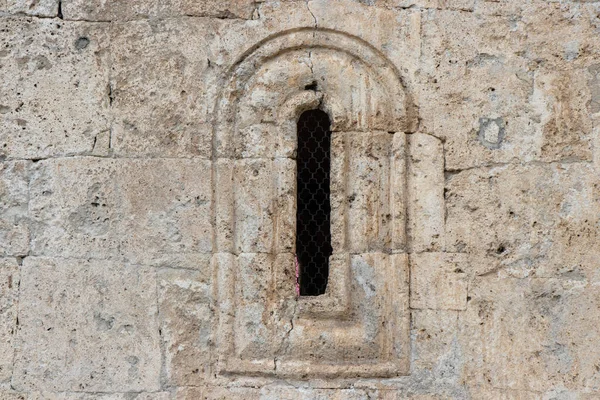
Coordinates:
[311,13]
[285,342]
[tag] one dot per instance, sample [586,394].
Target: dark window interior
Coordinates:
[313,234]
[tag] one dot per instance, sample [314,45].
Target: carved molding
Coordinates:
[360,327]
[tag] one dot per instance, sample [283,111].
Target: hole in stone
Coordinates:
[82,43]
[312,86]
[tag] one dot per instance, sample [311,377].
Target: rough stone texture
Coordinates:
[9,291]
[55,103]
[147,199]
[14,197]
[153,212]
[162,89]
[38,8]
[85,326]
[119,10]
[438,281]
[184,314]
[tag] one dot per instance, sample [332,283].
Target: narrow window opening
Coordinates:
[313,209]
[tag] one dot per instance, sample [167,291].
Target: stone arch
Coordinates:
[254,141]
[257,110]
[395,111]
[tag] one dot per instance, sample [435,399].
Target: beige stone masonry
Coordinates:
[148,199]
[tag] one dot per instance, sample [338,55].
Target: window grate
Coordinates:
[313,209]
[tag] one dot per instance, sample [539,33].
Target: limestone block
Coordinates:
[14,197]
[436,352]
[107,11]
[562,101]
[121,10]
[232,39]
[398,31]
[162,89]
[185,325]
[560,38]
[9,293]
[338,196]
[503,7]
[288,393]
[537,105]
[463,5]
[165,206]
[44,8]
[266,94]
[481,71]
[73,208]
[525,220]
[501,394]
[398,192]
[367,181]
[93,396]
[154,212]
[264,140]
[87,326]
[425,181]
[535,338]
[254,207]
[217,393]
[438,281]
[56,102]
[224,205]
[284,234]
[357,93]
[253,328]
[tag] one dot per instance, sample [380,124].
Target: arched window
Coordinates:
[313,208]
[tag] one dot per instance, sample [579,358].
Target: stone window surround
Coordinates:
[398,122]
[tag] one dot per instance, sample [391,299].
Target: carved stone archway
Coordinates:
[360,326]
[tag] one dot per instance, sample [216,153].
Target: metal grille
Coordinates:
[313,235]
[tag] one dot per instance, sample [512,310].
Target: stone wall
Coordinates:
[147,199]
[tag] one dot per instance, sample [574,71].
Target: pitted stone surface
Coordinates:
[86,325]
[147,199]
[56,102]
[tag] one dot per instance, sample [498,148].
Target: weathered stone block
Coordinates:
[162,90]
[398,33]
[535,339]
[185,325]
[120,10]
[438,281]
[92,396]
[86,326]
[168,206]
[14,198]
[502,394]
[43,8]
[167,203]
[562,102]
[56,102]
[462,5]
[425,181]
[254,208]
[368,191]
[539,101]
[525,220]
[366,180]
[435,342]
[9,294]
[74,209]
[108,11]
